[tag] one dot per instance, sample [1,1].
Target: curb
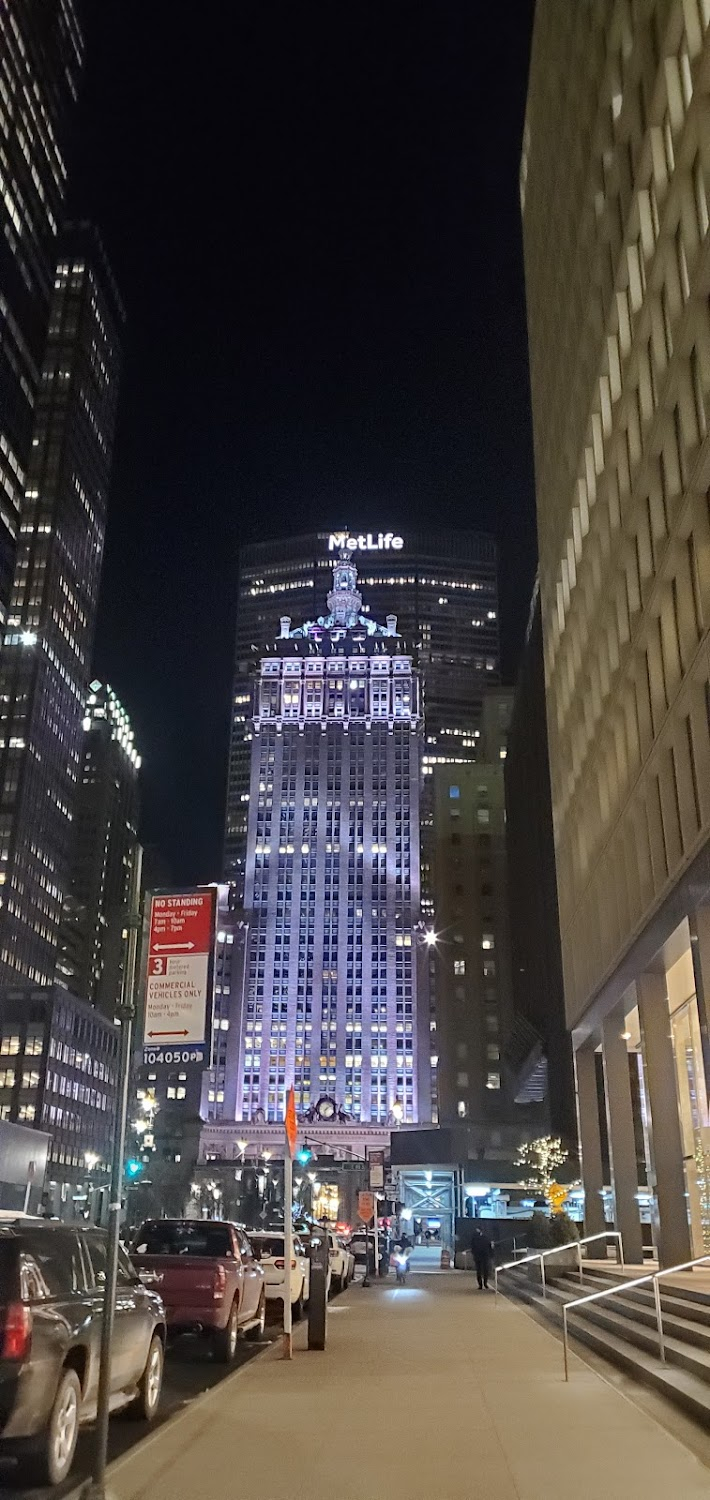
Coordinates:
[272,1350]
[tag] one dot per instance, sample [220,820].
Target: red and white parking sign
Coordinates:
[180,946]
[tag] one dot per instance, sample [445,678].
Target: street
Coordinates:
[189,1371]
[427,1389]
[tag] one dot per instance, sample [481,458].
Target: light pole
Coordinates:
[95,1488]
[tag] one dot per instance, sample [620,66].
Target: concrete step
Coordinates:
[676,1301]
[629,1343]
[680,1386]
[623,1320]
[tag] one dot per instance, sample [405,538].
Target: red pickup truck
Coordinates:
[208,1277]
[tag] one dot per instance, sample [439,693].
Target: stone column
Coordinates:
[622,1142]
[665,1139]
[590,1145]
[699,923]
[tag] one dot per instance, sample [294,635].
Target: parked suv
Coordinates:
[52,1280]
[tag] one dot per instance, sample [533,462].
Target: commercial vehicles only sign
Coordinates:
[180,947]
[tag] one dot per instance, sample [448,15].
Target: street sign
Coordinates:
[290,1124]
[180,946]
[365,1206]
[377,1169]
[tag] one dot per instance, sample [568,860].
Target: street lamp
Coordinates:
[431,937]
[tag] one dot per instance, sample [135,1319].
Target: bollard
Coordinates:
[317,1290]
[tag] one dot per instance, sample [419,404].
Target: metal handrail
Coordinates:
[624,1286]
[607,1234]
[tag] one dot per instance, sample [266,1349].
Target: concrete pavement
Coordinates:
[424,1391]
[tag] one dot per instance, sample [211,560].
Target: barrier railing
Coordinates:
[625,1286]
[543,1255]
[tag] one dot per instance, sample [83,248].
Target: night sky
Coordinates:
[312,214]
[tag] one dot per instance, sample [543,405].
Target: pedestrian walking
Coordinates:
[482,1251]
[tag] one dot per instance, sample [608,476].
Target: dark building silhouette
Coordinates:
[46,655]
[105,838]
[41,55]
[538,1052]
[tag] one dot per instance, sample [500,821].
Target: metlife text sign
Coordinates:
[180,947]
[365,541]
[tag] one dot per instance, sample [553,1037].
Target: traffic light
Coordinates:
[133,1169]
[304,1155]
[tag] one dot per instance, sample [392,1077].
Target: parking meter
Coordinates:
[317,1290]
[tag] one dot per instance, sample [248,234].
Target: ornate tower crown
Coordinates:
[345,599]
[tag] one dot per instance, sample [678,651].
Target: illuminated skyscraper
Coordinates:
[333,1001]
[104,842]
[442,586]
[41,54]
[46,654]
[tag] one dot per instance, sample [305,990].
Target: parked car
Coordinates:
[339,1262]
[208,1277]
[269,1246]
[52,1280]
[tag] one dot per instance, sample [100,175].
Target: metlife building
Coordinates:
[441,585]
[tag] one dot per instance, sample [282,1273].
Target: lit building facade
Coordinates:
[59,1074]
[615,176]
[46,653]
[41,56]
[104,844]
[333,999]
[442,586]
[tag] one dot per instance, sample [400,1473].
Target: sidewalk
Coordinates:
[427,1392]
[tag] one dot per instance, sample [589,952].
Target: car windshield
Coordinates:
[163,1238]
[269,1244]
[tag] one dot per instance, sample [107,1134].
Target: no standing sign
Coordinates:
[180,947]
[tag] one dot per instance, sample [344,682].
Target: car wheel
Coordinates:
[257,1329]
[297,1306]
[225,1339]
[149,1386]
[336,1283]
[51,1464]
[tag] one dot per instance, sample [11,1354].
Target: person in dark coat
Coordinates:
[482,1251]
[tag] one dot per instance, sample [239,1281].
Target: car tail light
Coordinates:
[17,1333]
[220,1284]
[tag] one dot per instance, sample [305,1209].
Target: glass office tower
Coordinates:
[41,55]
[46,654]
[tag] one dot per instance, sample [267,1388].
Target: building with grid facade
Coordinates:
[616,177]
[332,999]
[47,644]
[442,586]
[59,1074]
[41,56]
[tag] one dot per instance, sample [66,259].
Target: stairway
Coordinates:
[623,1330]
